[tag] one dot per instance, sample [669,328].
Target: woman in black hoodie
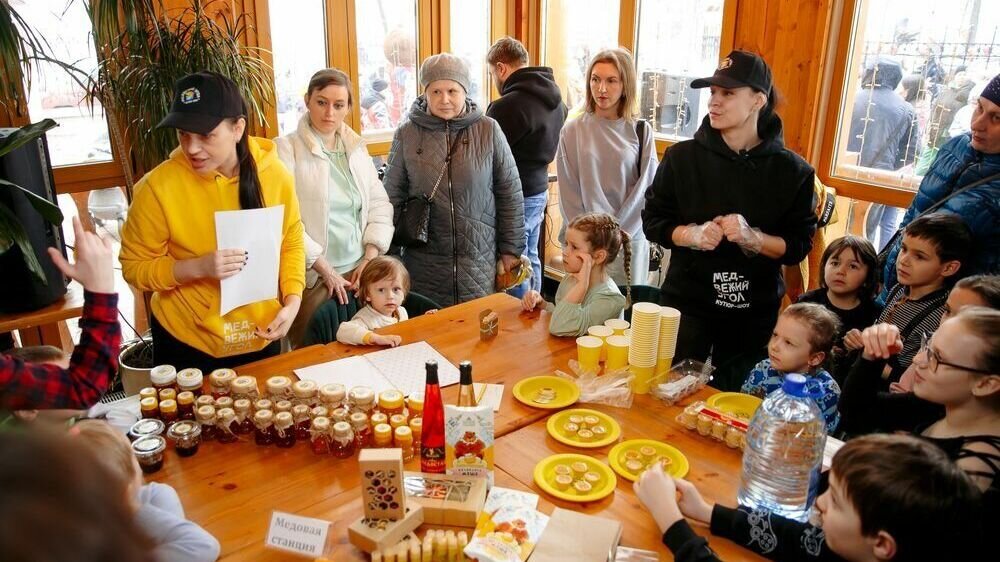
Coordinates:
[734,205]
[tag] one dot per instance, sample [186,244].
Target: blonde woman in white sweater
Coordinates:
[345,211]
[383,288]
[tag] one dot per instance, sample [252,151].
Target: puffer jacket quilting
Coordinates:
[482,184]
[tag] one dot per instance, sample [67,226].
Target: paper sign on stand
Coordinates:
[258,232]
[294,533]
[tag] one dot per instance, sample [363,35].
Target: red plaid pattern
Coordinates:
[92,367]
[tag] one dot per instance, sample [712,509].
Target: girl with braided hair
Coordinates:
[587,295]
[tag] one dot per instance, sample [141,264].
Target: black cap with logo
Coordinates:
[201,101]
[739,69]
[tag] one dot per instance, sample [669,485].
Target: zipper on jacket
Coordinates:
[451,200]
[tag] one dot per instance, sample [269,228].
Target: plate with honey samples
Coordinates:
[580,427]
[630,458]
[576,478]
[736,404]
[547,392]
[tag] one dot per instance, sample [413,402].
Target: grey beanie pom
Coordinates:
[445,66]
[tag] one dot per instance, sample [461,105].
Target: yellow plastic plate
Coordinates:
[557,421]
[527,392]
[678,467]
[545,476]
[735,403]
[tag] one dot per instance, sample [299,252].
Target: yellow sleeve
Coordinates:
[145,262]
[292,271]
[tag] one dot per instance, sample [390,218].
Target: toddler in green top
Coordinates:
[587,296]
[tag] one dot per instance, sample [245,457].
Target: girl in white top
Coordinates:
[383,286]
[598,163]
[345,210]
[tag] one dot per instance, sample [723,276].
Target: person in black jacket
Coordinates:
[735,205]
[891,497]
[530,112]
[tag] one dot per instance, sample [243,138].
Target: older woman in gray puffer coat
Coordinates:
[477,215]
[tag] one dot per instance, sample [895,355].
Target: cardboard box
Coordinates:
[448,499]
[370,535]
[382,483]
[577,536]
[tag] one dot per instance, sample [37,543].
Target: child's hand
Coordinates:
[586,266]
[432,311]
[389,340]
[853,340]
[531,300]
[881,341]
[658,493]
[691,503]
[93,267]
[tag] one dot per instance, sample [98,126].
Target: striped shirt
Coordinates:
[914,318]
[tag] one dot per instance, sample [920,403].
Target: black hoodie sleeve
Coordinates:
[799,224]
[686,545]
[661,215]
[771,536]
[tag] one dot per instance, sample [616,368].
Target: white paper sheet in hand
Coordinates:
[258,231]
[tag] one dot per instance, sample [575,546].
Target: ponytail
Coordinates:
[250,193]
[627,263]
[768,122]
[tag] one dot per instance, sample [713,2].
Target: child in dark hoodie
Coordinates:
[734,205]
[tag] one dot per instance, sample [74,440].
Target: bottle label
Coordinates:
[432,459]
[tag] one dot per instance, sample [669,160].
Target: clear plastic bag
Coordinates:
[683,379]
[612,388]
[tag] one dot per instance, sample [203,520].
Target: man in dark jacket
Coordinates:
[884,131]
[531,113]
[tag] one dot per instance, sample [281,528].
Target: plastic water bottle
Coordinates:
[784,451]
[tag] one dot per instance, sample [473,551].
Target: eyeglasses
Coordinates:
[933,358]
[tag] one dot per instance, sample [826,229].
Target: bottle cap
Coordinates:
[342,429]
[241,405]
[190,378]
[321,424]
[332,393]
[795,385]
[168,405]
[222,377]
[416,402]
[186,397]
[304,389]
[431,367]
[390,399]
[465,372]
[263,416]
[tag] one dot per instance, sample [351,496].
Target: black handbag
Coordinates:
[413,219]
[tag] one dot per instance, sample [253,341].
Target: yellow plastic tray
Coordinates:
[735,403]
[527,389]
[678,467]
[556,421]
[545,477]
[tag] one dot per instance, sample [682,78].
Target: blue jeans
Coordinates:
[883,221]
[534,212]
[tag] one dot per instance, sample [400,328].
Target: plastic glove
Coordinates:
[739,232]
[702,236]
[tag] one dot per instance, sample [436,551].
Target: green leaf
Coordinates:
[11,229]
[24,135]
[47,209]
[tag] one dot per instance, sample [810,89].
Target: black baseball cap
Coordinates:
[739,69]
[201,101]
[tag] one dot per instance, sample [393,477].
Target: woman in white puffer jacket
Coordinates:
[345,210]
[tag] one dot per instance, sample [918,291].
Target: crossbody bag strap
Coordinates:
[447,161]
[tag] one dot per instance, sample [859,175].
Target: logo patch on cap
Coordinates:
[726,63]
[191,95]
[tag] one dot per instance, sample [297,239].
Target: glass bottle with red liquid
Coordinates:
[244,417]
[319,435]
[432,436]
[300,413]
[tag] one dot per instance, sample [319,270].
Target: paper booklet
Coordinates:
[400,368]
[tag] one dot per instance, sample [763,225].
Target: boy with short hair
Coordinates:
[930,258]
[891,497]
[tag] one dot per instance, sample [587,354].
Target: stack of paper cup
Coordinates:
[602,332]
[617,348]
[618,325]
[670,321]
[644,345]
[588,353]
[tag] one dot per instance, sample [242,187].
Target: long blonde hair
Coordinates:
[628,105]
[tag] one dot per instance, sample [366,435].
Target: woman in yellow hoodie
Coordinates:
[169,242]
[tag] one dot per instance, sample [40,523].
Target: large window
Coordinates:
[298,43]
[387,63]
[575,31]
[469,30]
[82,136]
[912,70]
[677,41]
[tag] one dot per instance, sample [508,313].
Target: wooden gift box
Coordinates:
[448,499]
[369,539]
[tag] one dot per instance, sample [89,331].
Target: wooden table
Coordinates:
[42,327]
[232,489]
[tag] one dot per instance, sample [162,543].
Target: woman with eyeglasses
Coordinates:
[955,402]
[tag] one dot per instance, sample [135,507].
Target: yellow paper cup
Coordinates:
[588,352]
[602,332]
[619,326]
[663,367]
[643,379]
[617,349]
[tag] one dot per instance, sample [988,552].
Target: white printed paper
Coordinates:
[258,232]
[400,367]
[488,394]
[294,533]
